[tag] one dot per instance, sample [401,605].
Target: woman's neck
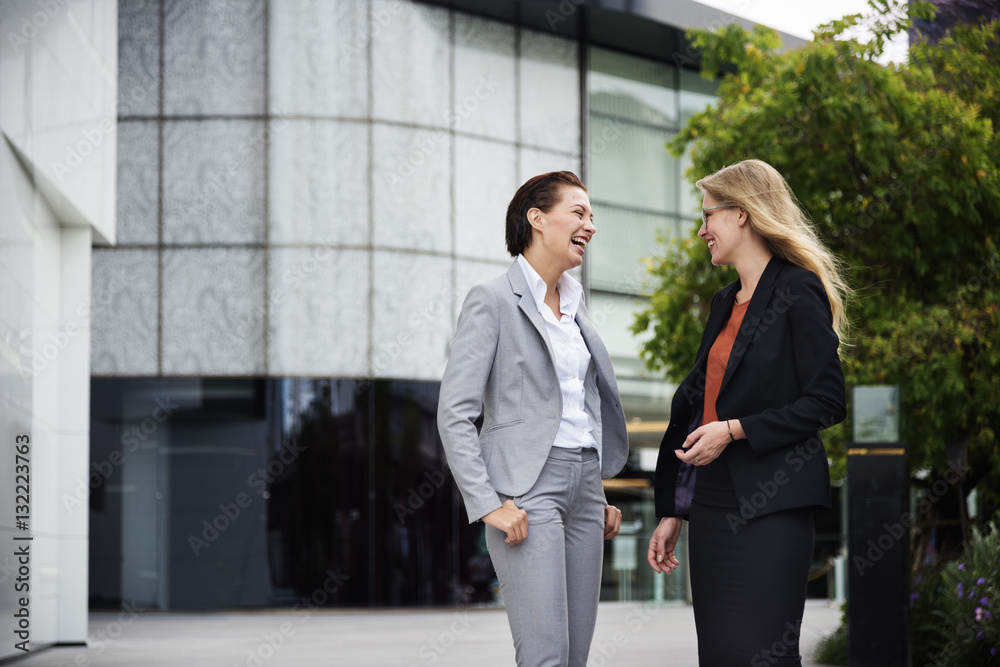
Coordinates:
[751,268]
[548,271]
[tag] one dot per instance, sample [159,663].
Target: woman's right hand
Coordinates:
[511,520]
[661,545]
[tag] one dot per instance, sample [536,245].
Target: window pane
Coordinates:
[485,85]
[632,88]
[690,198]
[318,62]
[125,312]
[612,315]
[624,238]
[216,300]
[213,182]
[300,299]
[633,166]
[138,182]
[696,94]
[309,180]
[410,81]
[213,60]
[550,92]
[243,492]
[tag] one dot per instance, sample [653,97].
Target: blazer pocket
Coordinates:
[497,427]
[510,398]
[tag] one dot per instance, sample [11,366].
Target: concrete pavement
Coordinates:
[628,634]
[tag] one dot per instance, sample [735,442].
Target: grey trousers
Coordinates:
[551,581]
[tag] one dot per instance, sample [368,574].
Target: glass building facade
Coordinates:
[306,191]
[254,492]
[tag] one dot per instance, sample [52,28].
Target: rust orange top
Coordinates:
[718,358]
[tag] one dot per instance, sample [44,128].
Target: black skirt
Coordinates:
[748,582]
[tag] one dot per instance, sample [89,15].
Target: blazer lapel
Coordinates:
[755,311]
[716,320]
[527,304]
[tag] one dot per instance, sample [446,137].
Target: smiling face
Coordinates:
[561,234]
[721,230]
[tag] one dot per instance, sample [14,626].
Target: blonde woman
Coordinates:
[742,458]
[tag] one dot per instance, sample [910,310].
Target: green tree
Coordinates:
[898,168]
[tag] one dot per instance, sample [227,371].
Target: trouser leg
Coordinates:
[584,560]
[532,574]
[551,581]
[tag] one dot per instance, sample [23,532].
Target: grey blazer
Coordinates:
[501,368]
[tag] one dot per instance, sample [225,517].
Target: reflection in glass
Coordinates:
[696,94]
[268,492]
[612,315]
[634,169]
[549,92]
[625,240]
[315,510]
[632,88]
[484,53]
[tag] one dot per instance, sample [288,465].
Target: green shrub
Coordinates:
[954,616]
[954,611]
[926,637]
[832,649]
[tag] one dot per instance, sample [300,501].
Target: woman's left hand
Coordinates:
[612,521]
[705,444]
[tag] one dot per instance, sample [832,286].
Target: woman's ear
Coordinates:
[742,217]
[535,218]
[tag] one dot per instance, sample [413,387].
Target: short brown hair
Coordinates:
[541,192]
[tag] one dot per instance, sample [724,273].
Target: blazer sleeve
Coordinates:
[470,361]
[822,402]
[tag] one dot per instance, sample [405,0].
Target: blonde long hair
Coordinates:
[775,215]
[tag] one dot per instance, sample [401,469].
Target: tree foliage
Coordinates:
[898,166]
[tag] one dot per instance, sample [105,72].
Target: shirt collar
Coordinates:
[569,288]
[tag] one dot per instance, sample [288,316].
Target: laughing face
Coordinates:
[566,229]
[720,229]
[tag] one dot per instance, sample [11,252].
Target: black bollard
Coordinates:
[878,545]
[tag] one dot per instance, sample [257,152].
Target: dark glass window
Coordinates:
[216,493]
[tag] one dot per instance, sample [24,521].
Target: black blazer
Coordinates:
[783,382]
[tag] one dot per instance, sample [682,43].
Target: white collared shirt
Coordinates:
[572,358]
